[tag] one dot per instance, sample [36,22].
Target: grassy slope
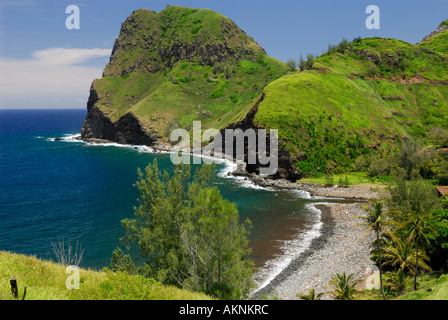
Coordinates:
[438,289]
[188,90]
[430,288]
[437,42]
[363,98]
[46,281]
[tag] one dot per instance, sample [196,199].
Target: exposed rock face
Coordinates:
[286,169]
[440,29]
[126,130]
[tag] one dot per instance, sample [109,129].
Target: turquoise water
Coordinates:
[72,191]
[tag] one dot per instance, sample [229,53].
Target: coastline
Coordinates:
[341,245]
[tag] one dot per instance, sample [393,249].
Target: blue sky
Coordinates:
[45,65]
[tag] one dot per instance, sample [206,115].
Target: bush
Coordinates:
[217,68]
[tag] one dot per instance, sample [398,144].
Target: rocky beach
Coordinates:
[342,246]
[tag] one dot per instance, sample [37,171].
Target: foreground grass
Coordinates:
[430,288]
[46,280]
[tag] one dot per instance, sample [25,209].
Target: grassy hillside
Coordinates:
[438,42]
[45,280]
[359,97]
[431,288]
[179,65]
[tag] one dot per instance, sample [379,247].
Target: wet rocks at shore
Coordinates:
[359,192]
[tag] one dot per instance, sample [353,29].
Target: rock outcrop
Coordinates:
[155,43]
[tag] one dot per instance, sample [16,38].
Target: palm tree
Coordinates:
[310,296]
[376,220]
[419,226]
[343,286]
[400,253]
[398,280]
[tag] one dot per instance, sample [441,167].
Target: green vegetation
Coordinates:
[412,233]
[45,280]
[188,235]
[180,65]
[376,221]
[433,287]
[349,179]
[364,95]
[311,295]
[346,111]
[437,42]
[343,286]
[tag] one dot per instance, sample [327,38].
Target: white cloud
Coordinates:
[64,56]
[51,78]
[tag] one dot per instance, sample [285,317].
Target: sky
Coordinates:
[45,65]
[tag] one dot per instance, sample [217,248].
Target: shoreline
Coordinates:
[340,247]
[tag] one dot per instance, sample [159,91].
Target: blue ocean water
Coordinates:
[72,191]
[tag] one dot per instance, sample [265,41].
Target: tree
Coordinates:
[399,252]
[409,156]
[215,247]
[292,64]
[343,286]
[309,61]
[302,63]
[188,234]
[438,249]
[419,226]
[310,296]
[397,280]
[376,221]
[415,195]
[121,262]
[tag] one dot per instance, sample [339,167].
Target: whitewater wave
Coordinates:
[228,165]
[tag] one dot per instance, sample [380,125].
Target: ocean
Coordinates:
[71,191]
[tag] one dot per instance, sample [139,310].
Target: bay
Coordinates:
[76,192]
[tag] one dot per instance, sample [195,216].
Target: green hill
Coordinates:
[45,280]
[171,68]
[359,97]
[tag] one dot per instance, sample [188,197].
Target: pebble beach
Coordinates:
[342,246]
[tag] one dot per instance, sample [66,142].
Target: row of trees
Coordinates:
[418,160]
[187,234]
[307,64]
[302,64]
